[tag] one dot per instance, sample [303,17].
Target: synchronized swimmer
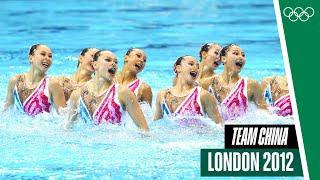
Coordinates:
[134,62]
[103,101]
[34,92]
[276,94]
[82,75]
[196,91]
[209,62]
[185,97]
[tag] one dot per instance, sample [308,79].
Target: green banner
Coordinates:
[301,20]
[250,162]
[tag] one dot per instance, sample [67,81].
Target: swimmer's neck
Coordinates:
[81,76]
[182,86]
[205,71]
[100,84]
[126,76]
[230,77]
[34,76]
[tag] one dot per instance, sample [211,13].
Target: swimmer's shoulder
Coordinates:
[267,80]
[161,94]
[282,79]
[252,81]
[145,88]
[253,84]
[145,92]
[54,84]
[14,79]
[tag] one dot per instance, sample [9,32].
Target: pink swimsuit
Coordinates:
[283,105]
[37,102]
[109,110]
[135,85]
[191,106]
[235,104]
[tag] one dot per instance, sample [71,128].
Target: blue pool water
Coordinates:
[39,148]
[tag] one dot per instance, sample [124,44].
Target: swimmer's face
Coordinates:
[212,58]
[87,58]
[41,58]
[106,66]
[189,69]
[234,59]
[136,60]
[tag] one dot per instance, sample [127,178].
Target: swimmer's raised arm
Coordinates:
[10,99]
[73,105]
[129,101]
[210,106]
[57,94]
[158,113]
[255,94]
[146,94]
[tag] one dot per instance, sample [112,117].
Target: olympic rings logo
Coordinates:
[298,13]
